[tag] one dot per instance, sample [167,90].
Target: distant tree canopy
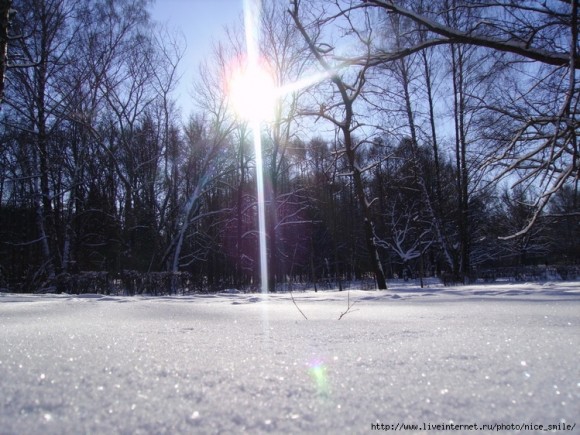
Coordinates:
[424,138]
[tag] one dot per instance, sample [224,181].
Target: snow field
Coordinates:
[231,363]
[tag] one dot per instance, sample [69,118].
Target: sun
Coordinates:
[252,92]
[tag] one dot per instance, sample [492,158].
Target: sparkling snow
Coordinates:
[236,362]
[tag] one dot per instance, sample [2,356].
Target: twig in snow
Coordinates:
[349,306]
[296,305]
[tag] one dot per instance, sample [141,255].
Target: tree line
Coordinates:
[416,137]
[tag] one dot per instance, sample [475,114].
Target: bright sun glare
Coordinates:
[253,93]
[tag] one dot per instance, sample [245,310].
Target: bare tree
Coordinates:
[206,139]
[404,74]
[284,50]
[205,149]
[341,113]
[80,54]
[37,101]
[169,50]
[537,140]
[515,210]
[5,9]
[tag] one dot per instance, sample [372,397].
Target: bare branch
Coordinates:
[454,35]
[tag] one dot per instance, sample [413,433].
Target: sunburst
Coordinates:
[253,94]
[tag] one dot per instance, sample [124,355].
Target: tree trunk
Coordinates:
[5,6]
[461,163]
[368,225]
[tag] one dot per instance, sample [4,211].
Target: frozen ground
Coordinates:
[231,362]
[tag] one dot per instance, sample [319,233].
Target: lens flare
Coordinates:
[319,374]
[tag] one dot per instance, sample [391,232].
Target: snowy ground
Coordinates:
[242,362]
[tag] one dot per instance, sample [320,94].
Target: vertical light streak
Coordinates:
[261,206]
[252,30]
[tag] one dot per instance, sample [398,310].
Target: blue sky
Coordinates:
[201,22]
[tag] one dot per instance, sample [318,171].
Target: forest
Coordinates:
[413,138]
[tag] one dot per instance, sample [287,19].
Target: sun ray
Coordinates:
[303,83]
[253,94]
[249,85]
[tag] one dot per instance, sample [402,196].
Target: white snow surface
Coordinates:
[234,362]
